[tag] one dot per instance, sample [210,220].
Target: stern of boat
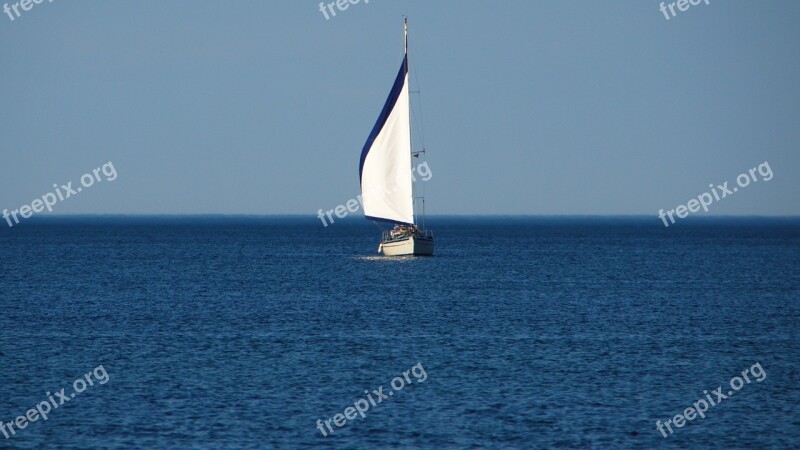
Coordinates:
[418,244]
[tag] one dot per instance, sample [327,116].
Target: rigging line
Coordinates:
[421,133]
[421,128]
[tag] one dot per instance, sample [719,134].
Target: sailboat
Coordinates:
[387,189]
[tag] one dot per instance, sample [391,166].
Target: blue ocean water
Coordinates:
[532,333]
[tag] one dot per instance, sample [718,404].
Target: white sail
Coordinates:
[385,168]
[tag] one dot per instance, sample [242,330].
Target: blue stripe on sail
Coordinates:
[387,110]
[381,219]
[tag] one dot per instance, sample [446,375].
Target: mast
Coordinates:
[410,134]
[406,30]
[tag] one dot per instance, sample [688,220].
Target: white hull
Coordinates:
[413,245]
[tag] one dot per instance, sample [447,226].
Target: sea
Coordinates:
[279,333]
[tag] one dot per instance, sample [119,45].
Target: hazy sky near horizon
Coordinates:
[529,107]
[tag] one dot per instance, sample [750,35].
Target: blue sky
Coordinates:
[529,107]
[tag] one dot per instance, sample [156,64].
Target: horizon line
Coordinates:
[222,215]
